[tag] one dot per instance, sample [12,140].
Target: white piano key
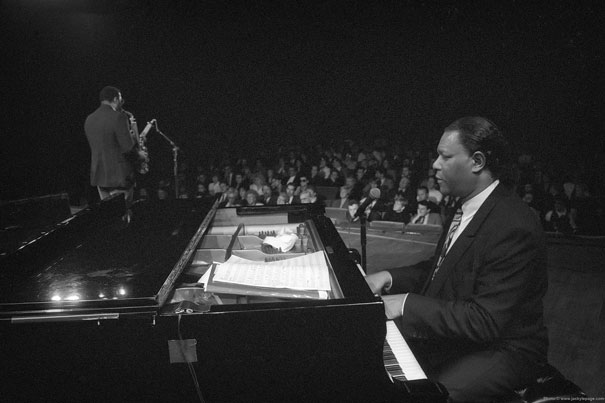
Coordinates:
[403,355]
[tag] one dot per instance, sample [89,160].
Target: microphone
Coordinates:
[373,195]
[146,129]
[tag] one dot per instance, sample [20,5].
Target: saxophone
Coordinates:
[142,164]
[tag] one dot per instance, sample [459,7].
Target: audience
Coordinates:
[563,199]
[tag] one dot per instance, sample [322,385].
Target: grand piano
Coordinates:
[95,309]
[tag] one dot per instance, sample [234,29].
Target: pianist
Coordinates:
[473,314]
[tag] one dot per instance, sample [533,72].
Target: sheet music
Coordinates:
[307,272]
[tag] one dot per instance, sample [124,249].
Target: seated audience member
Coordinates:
[422,193]
[434,194]
[201,177]
[252,199]
[425,216]
[257,183]
[201,191]
[305,197]
[222,195]
[528,198]
[280,168]
[361,176]
[291,177]
[314,176]
[399,211]
[352,210]
[268,197]
[316,197]
[310,196]
[242,194]
[349,162]
[270,174]
[380,175]
[350,190]
[282,198]
[228,175]
[325,173]
[473,314]
[232,198]
[291,196]
[214,187]
[240,182]
[388,190]
[334,179]
[304,183]
[276,185]
[406,172]
[560,218]
[337,166]
[374,210]
[405,188]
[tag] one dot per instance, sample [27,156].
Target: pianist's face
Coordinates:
[454,166]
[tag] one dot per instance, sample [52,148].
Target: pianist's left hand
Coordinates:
[379,282]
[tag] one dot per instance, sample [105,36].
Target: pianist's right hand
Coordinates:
[379,282]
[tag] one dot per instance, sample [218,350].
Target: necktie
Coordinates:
[450,235]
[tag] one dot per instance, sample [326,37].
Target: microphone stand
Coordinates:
[175,151]
[361,213]
[364,239]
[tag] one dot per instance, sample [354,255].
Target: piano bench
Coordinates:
[550,386]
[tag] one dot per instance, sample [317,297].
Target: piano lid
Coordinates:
[103,265]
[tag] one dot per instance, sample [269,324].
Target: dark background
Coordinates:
[248,74]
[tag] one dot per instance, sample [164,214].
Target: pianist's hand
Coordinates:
[379,282]
[393,305]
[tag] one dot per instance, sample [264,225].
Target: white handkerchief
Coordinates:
[283,242]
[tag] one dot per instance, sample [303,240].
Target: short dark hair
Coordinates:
[480,134]
[424,203]
[109,93]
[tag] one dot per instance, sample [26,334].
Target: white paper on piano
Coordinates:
[308,272]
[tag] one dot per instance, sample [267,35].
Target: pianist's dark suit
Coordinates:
[479,323]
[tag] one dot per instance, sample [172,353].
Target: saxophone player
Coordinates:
[112,146]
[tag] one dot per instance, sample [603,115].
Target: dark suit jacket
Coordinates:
[490,286]
[110,146]
[295,200]
[433,219]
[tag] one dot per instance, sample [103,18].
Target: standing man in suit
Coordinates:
[473,314]
[113,148]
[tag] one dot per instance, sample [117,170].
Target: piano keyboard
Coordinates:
[399,361]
